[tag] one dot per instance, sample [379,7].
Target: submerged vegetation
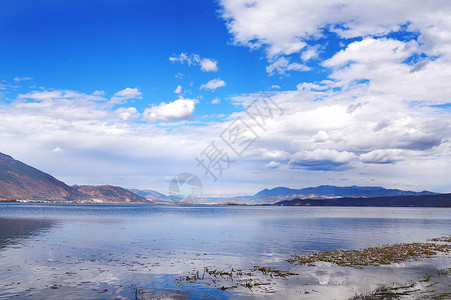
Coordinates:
[375,256]
[260,277]
[235,278]
[423,289]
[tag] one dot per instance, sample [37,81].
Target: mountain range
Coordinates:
[438,200]
[111,194]
[151,195]
[23,182]
[329,191]
[20,181]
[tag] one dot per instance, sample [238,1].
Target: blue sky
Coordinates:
[110,45]
[130,92]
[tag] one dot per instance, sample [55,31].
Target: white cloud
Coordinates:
[178,90]
[213,84]
[282,65]
[57,149]
[98,93]
[60,95]
[216,101]
[43,119]
[272,165]
[61,104]
[381,63]
[127,113]
[182,58]
[125,95]
[17,79]
[369,122]
[310,53]
[206,64]
[321,159]
[276,155]
[180,109]
[283,29]
[372,51]
[382,156]
[321,136]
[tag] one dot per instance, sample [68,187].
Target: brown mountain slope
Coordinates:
[20,181]
[109,193]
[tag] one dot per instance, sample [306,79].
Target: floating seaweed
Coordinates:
[413,290]
[243,278]
[375,256]
[372,256]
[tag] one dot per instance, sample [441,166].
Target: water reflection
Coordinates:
[107,251]
[14,231]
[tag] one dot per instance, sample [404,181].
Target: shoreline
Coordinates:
[211,204]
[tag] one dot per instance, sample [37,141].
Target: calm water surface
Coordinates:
[76,251]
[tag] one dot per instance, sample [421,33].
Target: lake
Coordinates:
[86,251]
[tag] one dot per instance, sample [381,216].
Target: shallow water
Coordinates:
[62,251]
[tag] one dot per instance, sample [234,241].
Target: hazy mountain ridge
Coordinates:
[151,195]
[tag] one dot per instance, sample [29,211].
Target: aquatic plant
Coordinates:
[375,256]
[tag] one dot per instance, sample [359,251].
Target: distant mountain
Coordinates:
[329,191]
[441,200]
[151,195]
[109,193]
[20,181]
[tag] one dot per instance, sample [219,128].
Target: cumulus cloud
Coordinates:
[127,113]
[44,119]
[180,109]
[321,159]
[321,136]
[178,90]
[91,136]
[372,118]
[282,65]
[310,53]
[283,29]
[206,64]
[275,155]
[382,156]
[125,95]
[272,165]
[213,84]
[372,51]
[61,104]
[216,101]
